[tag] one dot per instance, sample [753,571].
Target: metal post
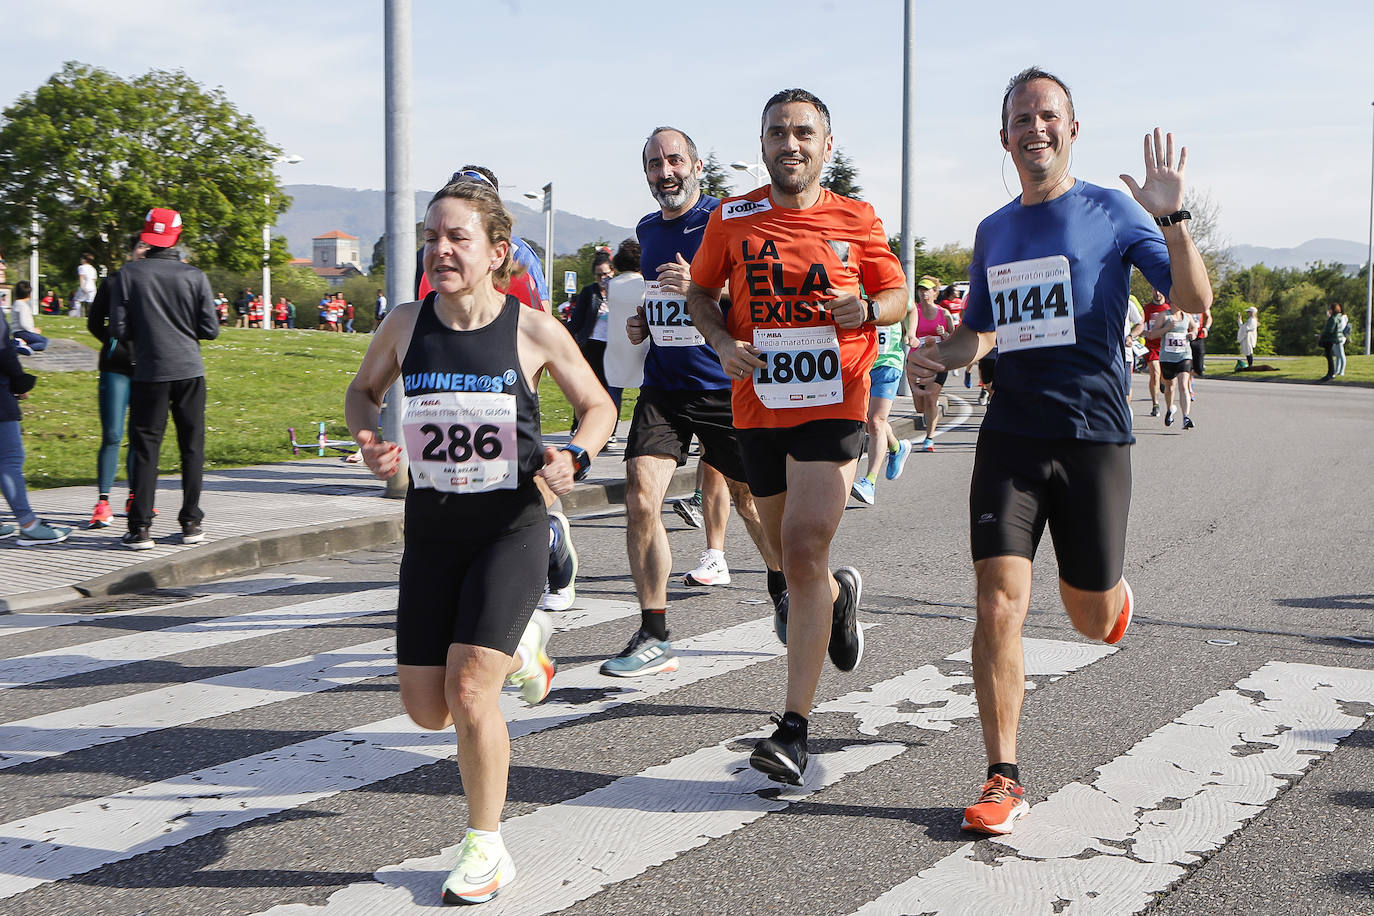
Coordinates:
[36,294]
[267,267]
[548,238]
[1369,263]
[400,206]
[908,154]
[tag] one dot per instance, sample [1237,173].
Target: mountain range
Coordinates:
[317,209]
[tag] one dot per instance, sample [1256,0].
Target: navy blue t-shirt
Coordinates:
[661,240]
[1054,280]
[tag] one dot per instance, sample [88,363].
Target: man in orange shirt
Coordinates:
[797,341]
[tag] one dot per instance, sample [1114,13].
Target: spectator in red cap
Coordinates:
[164,308]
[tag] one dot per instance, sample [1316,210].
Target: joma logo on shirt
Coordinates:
[744,208]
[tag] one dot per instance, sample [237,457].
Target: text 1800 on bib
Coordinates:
[461,441]
[669,323]
[803,367]
[1032,302]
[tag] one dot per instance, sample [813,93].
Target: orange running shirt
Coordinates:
[780,263]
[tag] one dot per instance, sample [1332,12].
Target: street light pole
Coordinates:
[400,209]
[909,144]
[1369,262]
[267,248]
[548,237]
[756,171]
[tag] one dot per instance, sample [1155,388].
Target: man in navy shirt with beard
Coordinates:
[685,393]
[1049,287]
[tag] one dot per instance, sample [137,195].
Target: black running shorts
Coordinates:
[466,581]
[1170,371]
[766,451]
[665,421]
[987,369]
[1081,489]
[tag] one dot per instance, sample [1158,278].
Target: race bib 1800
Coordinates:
[461,441]
[803,367]
[669,323]
[1032,302]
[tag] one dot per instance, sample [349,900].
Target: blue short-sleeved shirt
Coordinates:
[1076,390]
[661,240]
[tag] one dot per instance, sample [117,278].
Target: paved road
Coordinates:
[238,748]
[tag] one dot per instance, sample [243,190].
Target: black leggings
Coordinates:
[1330,351]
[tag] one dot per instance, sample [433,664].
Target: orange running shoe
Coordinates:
[1124,620]
[999,805]
[101,515]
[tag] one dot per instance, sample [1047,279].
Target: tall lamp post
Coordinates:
[267,249]
[755,170]
[1369,263]
[548,233]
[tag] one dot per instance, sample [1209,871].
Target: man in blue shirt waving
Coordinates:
[1048,287]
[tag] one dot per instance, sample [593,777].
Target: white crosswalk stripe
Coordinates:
[1108,844]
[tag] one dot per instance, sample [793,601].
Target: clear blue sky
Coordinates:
[1273,99]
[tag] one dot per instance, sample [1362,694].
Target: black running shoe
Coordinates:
[1154,410]
[138,539]
[562,556]
[846,636]
[782,758]
[780,616]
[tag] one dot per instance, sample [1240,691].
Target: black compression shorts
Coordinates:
[1170,370]
[665,421]
[766,451]
[465,580]
[1082,490]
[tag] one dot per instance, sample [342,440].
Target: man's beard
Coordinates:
[676,200]
[795,183]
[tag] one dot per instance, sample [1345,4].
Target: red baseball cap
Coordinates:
[161,228]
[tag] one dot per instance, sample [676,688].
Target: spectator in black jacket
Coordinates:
[15,384]
[589,323]
[164,308]
[116,380]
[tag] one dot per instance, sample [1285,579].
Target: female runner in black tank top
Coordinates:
[476,538]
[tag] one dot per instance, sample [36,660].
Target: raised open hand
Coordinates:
[1162,192]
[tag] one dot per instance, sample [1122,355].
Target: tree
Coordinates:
[841,177]
[91,153]
[715,180]
[949,262]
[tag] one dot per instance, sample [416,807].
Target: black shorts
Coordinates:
[987,369]
[1169,371]
[665,421]
[939,379]
[766,450]
[1081,489]
[467,581]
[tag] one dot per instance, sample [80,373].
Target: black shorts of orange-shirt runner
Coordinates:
[1081,490]
[766,450]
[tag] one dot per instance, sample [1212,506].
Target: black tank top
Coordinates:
[483,362]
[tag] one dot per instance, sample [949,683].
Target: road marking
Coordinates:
[201,634]
[1111,843]
[94,724]
[569,851]
[75,839]
[14,624]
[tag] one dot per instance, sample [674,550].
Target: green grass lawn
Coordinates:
[1359,369]
[258,384]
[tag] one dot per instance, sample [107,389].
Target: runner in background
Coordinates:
[1173,329]
[1158,306]
[929,324]
[883,444]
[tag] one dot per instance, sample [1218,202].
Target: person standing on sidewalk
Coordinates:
[15,385]
[475,555]
[116,366]
[165,309]
[797,342]
[1048,286]
[85,286]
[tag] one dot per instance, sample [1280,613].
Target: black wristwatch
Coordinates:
[582,462]
[871,311]
[1174,218]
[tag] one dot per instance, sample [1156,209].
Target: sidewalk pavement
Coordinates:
[254,517]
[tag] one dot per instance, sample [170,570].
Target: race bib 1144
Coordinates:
[1032,302]
[669,323]
[461,441]
[803,367]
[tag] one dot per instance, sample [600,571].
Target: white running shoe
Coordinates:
[484,867]
[533,677]
[557,599]
[712,571]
